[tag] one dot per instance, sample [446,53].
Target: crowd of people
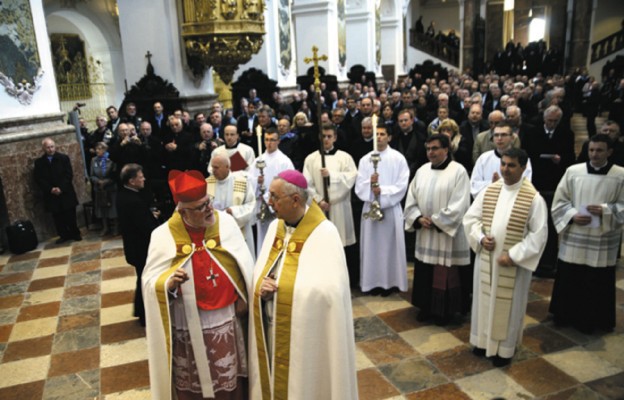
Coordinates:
[483,170]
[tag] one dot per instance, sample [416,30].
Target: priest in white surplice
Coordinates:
[301,339]
[507,228]
[275,162]
[588,212]
[437,199]
[233,194]
[487,168]
[383,263]
[241,156]
[341,173]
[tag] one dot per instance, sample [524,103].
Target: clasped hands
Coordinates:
[584,219]
[268,287]
[374,179]
[489,243]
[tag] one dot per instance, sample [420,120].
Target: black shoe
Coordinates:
[376,291]
[478,352]
[423,316]
[77,238]
[442,321]
[499,362]
[388,292]
[61,240]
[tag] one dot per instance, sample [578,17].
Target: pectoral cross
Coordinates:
[315,58]
[212,277]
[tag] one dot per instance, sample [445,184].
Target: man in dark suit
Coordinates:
[550,147]
[54,174]
[136,221]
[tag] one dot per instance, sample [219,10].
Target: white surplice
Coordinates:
[525,254]
[245,151]
[484,168]
[342,174]
[383,260]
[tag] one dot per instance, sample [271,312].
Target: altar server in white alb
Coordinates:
[507,227]
[301,337]
[383,263]
[234,194]
[275,162]
[340,172]
[487,169]
[241,156]
[588,212]
[195,286]
[437,199]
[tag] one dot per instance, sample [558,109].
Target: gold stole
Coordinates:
[514,234]
[239,189]
[283,302]
[184,250]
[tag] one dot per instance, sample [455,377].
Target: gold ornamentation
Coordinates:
[279,244]
[292,246]
[211,244]
[187,249]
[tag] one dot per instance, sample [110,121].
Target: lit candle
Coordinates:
[374,120]
[259,136]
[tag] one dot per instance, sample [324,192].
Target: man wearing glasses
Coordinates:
[487,167]
[195,288]
[301,336]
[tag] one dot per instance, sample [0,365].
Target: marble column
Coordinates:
[580,34]
[361,42]
[467,12]
[316,24]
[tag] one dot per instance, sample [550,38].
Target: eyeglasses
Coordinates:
[202,207]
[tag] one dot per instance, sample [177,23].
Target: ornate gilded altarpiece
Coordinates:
[20,66]
[70,66]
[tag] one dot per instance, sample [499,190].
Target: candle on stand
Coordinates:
[374,120]
[259,136]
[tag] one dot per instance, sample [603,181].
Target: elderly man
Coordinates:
[53,175]
[195,288]
[275,162]
[301,329]
[241,156]
[178,146]
[383,265]
[588,211]
[233,194]
[487,167]
[437,199]
[506,227]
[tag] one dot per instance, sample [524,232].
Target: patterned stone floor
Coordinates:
[67,332]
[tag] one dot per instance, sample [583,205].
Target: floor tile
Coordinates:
[5,333]
[121,332]
[448,391]
[124,377]
[39,311]
[31,390]
[123,353]
[22,266]
[11,301]
[582,364]
[84,266]
[361,360]
[79,305]
[610,348]
[115,243]
[611,387]
[135,394]
[23,349]
[74,361]
[387,349]
[33,328]
[118,272]
[540,377]
[15,277]
[111,253]
[83,385]
[372,385]
[47,283]
[31,255]
[8,315]
[117,298]
[580,392]
[360,310]
[44,296]
[378,304]
[83,278]
[78,321]
[14,289]
[83,248]
[56,252]
[76,339]
[53,261]
[541,340]
[401,320]
[430,339]
[538,310]
[492,384]
[84,256]
[24,371]
[81,290]
[114,262]
[370,328]
[50,272]
[459,362]
[114,315]
[412,374]
[118,285]
[542,287]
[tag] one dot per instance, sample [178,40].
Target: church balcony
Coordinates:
[434,47]
[607,46]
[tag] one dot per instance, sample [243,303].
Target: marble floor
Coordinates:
[67,332]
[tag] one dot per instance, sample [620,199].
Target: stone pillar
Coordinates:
[580,34]
[316,24]
[392,37]
[361,43]
[467,11]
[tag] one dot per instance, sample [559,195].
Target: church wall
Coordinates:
[446,16]
[608,19]
[392,36]
[360,21]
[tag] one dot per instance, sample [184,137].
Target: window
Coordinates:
[537,29]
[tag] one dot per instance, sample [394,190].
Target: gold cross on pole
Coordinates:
[315,58]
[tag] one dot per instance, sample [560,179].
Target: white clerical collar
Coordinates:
[515,185]
[131,188]
[598,168]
